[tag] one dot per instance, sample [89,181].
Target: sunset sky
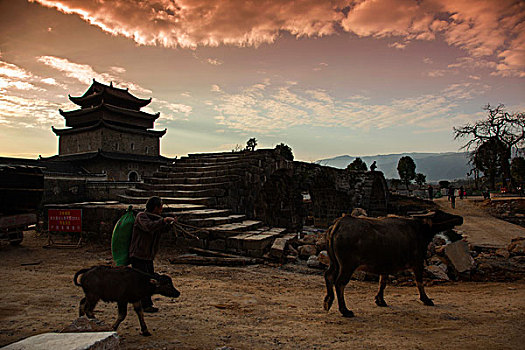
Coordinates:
[328,78]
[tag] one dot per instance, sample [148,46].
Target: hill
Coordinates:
[436,166]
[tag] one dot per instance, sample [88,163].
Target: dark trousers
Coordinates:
[145,266]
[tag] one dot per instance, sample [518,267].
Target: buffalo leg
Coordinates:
[342,280]
[122,312]
[137,306]
[418,272]
[91,302]
[380,301]
[329,276]
[82,307]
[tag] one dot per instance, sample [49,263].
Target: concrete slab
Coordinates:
[68,341]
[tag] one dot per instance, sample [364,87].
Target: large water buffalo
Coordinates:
[124,285]
[381,245]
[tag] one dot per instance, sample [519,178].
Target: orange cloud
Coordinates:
[481,27]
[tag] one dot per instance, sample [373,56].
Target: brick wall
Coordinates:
[110,141]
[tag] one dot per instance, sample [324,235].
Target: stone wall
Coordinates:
[119,170]
[271,189]
[337,191]
[64,189]
[110,141]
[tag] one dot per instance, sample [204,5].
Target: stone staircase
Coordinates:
[196,190]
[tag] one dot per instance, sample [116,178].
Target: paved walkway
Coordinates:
[479,227]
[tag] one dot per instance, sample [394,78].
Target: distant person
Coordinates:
[430,192]
[452,196]
[461,190]
[145,241]
[373,167]
[450,192]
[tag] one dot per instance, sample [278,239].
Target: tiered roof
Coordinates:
[98,93]
[108,106]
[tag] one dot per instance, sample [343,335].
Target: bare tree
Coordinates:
[505,129]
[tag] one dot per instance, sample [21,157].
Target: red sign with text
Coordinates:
[64,220]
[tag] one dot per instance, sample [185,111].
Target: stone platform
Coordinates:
[68,341]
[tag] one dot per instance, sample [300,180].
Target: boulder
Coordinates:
[322,242]
[517,246]
[324,258]
[459,255]
[357,212]
[305,251]
[313,262]
[438,271]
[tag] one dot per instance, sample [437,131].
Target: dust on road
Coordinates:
[258,307]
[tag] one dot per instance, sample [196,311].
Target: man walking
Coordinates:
[145,241]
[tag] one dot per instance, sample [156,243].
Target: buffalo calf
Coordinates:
[382,246]
[122,285]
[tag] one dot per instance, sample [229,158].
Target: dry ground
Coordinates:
[259,307]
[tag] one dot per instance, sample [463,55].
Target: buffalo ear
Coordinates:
[155,282]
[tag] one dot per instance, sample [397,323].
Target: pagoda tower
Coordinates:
[110,134]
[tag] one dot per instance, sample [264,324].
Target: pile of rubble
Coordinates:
[508,209]
[449,258]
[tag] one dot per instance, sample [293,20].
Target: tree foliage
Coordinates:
[501,129]
[491,158]
[444,184]
[420,179]
[285,151]
[357,165]
[517,169]
[251,144]
[406,168]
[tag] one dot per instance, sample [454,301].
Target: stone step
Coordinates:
[253,243]
[186,215]
[215,221]
[182,187]
[194,180]
[200,173]
[183,167]
[212,192]
[227,230]
[209,161]
[205,201]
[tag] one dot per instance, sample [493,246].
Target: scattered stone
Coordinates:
[308,239]
[313,261]
[278,247]
[324,258]
[322,242]
[459,256]
[291,258]
[517,246]
[306,250]
[67,341]
[503,252]
[359,212]
[84,324]
[438,271]
[359,275]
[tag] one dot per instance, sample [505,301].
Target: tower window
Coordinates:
[132,146]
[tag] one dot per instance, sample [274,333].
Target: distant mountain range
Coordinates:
[436,166]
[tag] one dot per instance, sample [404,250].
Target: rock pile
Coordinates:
[446,260]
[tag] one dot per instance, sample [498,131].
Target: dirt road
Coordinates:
[479,227]
[259,307]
